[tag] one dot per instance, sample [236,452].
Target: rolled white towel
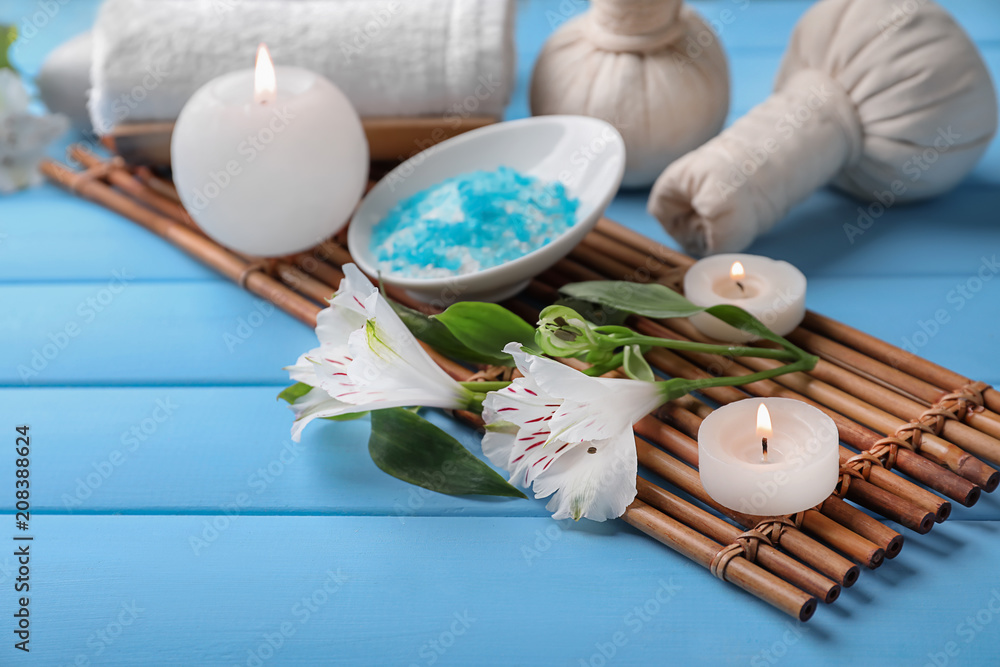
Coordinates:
[450,58]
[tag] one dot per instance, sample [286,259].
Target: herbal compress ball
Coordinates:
[652,68]
[887,100]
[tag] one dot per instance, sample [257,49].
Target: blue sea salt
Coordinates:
[470,222]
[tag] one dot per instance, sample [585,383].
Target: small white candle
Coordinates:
[269,161]
[772,290]
[796,469]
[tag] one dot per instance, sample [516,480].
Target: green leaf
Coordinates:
[294,392]
[410,448]
[437,335]
[635,365]
[487,327]
[8,33]
[649,299]
[658,301]
[741,319]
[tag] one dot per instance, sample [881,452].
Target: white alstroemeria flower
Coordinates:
[568,434]
[367,360]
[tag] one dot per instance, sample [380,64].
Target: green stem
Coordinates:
[708,348]
[476,402]
[484,387]
[674,388]
[609,365]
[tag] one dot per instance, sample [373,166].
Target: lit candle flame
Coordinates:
[265,85]
[736,272]
[763,422]
[763,428]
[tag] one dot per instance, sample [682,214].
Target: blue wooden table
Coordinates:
[175,523]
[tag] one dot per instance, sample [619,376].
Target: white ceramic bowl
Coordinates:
[586,154]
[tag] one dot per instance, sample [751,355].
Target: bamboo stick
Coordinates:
[842,538]
[685,532]
[914,496]
[911,463]
[861,548]
[864,550]
[931,474]
[879,476]
[933,447]
[685,539]
[686,416]
[771,559]
[157,184]
[867,552]
[897,358]
[633,248]
[703,550]
[888,376]
[792,540]
[961,434]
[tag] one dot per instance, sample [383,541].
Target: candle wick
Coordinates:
[763,447]
[740,285]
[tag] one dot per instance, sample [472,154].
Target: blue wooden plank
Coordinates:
[536,599]
[215,333]
[198,450]
[51,235]
[487,591]
[146,333]
[194,450]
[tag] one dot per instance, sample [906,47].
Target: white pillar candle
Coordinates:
[771,290]
[269,161]
[799,469]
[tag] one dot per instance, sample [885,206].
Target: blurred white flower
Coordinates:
[23,136]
